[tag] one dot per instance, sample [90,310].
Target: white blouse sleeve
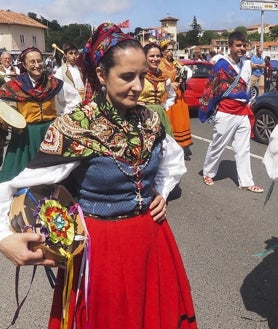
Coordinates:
[59,73]
[171,167]
[270,159]
[27,178]
[171,95]
[67,99]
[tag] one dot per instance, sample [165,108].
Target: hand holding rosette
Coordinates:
[51,211]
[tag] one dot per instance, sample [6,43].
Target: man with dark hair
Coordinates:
[227,93]
[69,71]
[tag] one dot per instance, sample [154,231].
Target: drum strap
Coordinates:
[52,281]
[19,305]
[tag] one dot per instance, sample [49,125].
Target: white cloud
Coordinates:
[69,11]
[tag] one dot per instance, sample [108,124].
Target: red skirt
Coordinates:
[137,279]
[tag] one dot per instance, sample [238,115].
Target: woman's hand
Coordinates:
[16,248]
[158,208]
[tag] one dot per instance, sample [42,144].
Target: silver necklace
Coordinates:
[136,177]
[136,173]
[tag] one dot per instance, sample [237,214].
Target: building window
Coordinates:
[22,41]
[34,41]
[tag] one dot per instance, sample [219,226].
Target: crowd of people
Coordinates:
[116,132]
[264,76]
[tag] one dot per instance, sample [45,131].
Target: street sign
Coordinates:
[259,5]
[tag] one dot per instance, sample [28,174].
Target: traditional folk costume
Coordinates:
[233,119]
[39,102]
[178,113]
[136,278]
[7,73]
[156,86]
[72,75]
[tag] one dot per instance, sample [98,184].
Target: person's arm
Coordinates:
[15,245]
[257,65]
[270,159]
[169,173]
[171,167]
[67,99]
[171,95]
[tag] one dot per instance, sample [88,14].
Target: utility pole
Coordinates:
[262,30]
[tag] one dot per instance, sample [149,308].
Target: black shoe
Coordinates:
[187,158]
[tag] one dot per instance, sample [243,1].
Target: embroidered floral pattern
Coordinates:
[219,82]
[99,130]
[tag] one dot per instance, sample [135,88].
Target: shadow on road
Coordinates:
[259,290]
[175,193]
[227,169]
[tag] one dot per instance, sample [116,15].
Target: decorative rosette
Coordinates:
[57,222]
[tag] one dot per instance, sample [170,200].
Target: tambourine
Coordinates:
[50,210]
[11,117]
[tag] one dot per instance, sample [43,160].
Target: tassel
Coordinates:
[67,292]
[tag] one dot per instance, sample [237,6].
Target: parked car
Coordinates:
[265,108]
[196,83]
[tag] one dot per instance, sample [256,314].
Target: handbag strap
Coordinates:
[232,86]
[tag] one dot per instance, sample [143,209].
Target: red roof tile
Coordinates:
[10,17]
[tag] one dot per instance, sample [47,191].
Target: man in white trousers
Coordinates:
[228,88]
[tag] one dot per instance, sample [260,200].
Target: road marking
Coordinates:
[227,147]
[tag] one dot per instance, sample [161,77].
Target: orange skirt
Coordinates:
[179,118]
[137,279]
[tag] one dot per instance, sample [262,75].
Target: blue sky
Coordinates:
[212,14]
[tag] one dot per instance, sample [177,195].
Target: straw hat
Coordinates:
[164,43]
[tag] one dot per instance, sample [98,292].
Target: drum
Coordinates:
[11,116]
[9,119]
[50,210]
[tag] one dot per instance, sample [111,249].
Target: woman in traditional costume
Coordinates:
[39,98]
[158,93]
[178,113]
[117,160]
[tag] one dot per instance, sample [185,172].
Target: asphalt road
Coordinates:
[218,230]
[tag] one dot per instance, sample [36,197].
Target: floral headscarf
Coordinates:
[106,36]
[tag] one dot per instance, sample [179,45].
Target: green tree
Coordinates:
[274,33]
[181,39]
[254,36]
[241,29]
[55,33]
[225,34]
[207,37]
[193,36]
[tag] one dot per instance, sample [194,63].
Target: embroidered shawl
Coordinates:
[221,77]
[20,89]
[97,129]
[169,69]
